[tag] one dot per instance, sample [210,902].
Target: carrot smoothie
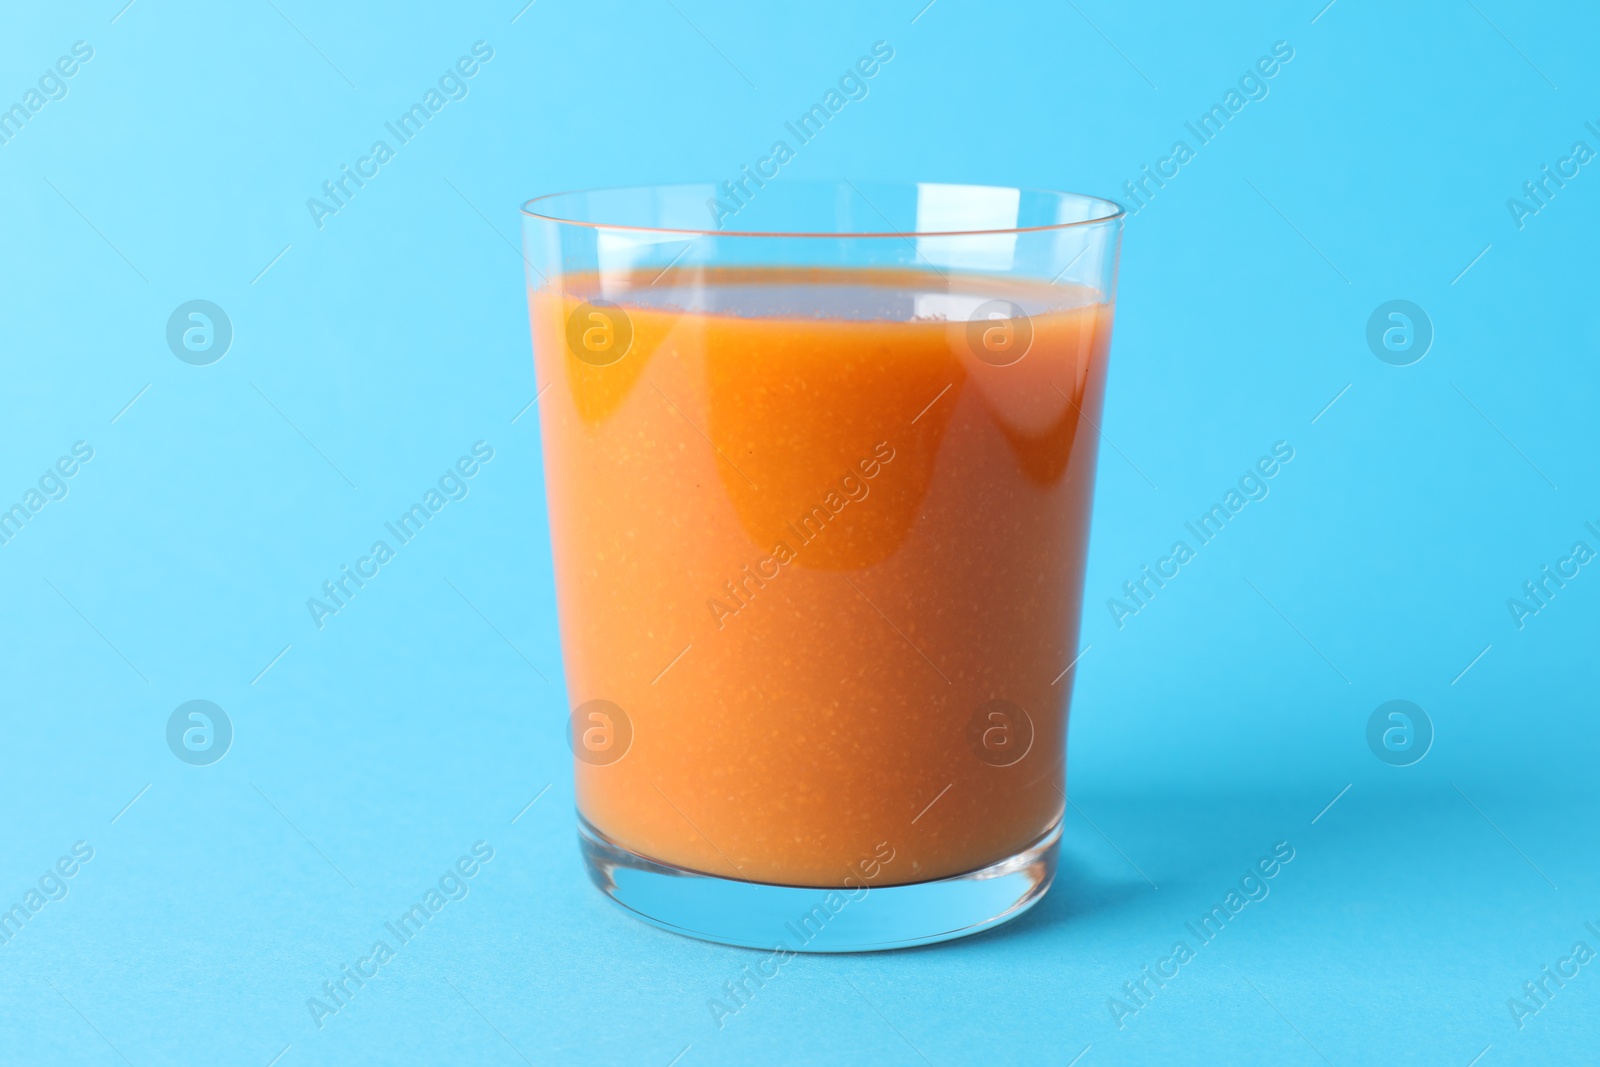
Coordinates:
[819,539]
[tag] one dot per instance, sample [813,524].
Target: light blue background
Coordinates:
[1221,719]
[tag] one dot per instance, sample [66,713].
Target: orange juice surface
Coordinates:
[821,539]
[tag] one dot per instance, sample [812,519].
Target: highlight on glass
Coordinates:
[819,484]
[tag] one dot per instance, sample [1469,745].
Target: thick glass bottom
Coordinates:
[801,919]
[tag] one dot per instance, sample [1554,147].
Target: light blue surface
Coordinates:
[369,354]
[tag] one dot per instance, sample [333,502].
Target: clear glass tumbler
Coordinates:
[819,485]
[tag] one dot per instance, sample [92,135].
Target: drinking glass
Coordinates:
[818,459]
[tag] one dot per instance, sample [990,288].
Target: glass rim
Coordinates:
[1115,212]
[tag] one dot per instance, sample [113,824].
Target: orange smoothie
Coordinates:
[808,526]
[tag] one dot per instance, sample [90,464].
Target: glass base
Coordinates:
[801,919]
